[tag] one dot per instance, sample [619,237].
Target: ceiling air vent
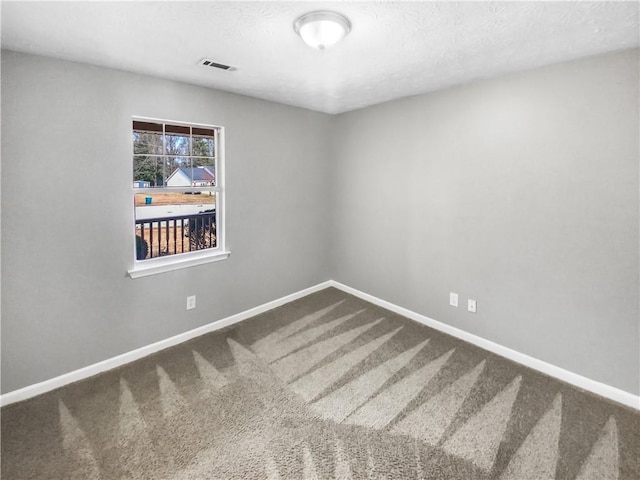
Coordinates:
[205,62]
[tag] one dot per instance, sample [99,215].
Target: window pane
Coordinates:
[169,223]
[178,172]
[203,132]
[177,145]
[143,126]
[203,146]
[147,171]
[177,129]
[204,171]
[147,142]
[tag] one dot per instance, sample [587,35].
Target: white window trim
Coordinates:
[145,269]
[153,266]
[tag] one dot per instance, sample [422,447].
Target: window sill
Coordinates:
[143,269]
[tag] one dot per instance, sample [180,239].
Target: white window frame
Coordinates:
[152,266]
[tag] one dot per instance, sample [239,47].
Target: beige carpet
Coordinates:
[328,387]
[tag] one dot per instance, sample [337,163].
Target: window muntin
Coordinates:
[177,192]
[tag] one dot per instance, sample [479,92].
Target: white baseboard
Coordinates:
[579,381]
[114,362]
[612,393]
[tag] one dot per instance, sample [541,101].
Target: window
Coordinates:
[178,195]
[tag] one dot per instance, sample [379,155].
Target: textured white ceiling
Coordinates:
[395,49]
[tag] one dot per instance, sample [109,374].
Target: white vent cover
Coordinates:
[205,62]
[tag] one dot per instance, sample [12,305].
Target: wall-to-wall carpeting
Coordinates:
[328,386]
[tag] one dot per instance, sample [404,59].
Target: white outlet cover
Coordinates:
[191,302]
[453,299]
[471,305]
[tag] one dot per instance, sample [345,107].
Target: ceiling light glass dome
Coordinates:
[322,30]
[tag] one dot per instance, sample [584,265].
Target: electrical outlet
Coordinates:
[453,299]
[191,302]
[471,305]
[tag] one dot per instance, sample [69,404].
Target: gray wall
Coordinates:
[520,192]
[67,213]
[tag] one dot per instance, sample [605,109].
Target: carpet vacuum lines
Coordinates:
[328,386]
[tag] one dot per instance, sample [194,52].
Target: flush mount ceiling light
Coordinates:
[321,30]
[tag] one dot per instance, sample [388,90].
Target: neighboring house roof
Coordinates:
[200,174]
